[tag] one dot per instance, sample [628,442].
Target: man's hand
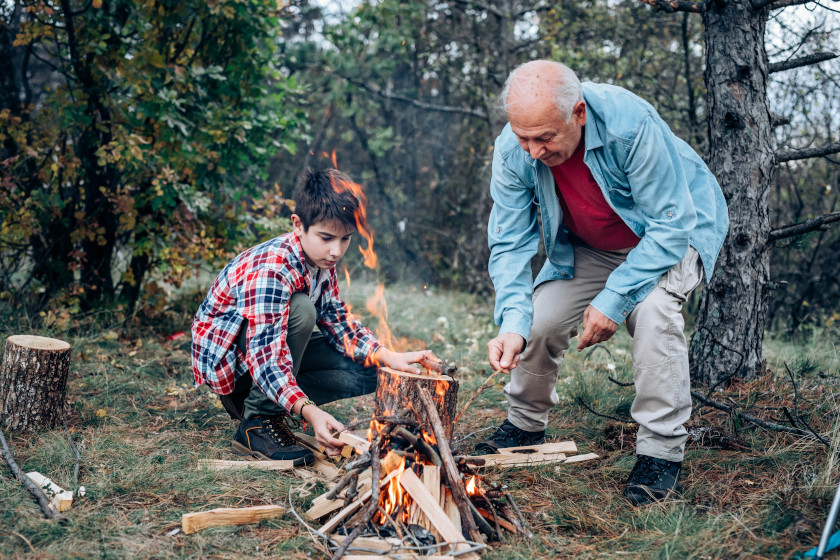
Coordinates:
[504,351]
[401,361]
[597,327]
[324,425]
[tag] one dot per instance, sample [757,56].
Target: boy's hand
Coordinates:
[401,361]
[324,424]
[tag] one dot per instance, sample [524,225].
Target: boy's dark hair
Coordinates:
[328,195]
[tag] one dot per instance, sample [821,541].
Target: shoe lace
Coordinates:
[281,427]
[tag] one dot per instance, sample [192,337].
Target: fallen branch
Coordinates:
[43,501]
[602,415]
[818,223]
[475,396]
[750,418]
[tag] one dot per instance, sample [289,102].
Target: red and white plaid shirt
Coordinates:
[255,289]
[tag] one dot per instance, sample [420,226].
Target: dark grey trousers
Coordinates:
[322,372]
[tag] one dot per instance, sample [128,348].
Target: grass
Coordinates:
[141,428]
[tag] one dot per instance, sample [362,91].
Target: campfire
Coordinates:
[428,501]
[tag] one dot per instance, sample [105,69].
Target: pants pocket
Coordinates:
[684,276]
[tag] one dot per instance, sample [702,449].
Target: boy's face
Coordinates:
[325,242]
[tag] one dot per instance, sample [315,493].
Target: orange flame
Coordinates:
[472,486]
[395,495]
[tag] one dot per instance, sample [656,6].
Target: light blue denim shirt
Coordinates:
[653,180]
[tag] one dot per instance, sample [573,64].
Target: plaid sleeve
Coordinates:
[342,330]
[265,297]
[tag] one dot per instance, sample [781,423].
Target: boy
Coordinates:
[254,336]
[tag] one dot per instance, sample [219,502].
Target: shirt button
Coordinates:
[670,214]
[498,230]
[624,314]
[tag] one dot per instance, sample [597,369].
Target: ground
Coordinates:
[142,427]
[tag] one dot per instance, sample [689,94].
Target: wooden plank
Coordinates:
[359,444]
[545,448]
[321,506]
[580,458]
[431,480]
[373,543]
[517,459]
[430,507]
[194,522]
[451,509]
[60,498]
[222,464]
[326,468]
[330,525]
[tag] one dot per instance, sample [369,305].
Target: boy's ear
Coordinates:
[297,224]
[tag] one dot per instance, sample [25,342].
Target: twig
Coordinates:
[456,486]
[475,396]
[620,383]
[43,502]
[482,523]
[519,515]
[752,419]
[76,452]
[795,393]
[616,418]
[419,444]
[493,511]
[374,499]
[458,441]
[341,484]
[312,530]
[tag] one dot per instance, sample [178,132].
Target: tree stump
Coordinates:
[396,395]
[33,379]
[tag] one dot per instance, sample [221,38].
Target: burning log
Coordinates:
[398,390]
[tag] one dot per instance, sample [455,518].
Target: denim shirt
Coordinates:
[653,180]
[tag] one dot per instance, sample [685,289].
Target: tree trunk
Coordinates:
[33,379]
[730,323]
[397,395]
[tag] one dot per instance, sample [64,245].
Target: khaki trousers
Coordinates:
[660,353]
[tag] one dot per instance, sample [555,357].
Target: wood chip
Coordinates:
[580,458]
[545,448]
[359,444]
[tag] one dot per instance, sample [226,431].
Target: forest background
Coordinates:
[144,143]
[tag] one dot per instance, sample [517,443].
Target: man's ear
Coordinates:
[579,113]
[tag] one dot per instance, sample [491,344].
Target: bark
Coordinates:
[397,395]
[33,379]
[730,323]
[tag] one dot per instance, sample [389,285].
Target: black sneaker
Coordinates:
[270,438]
[653,480]
[508,435]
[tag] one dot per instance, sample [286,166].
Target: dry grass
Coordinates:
[142,428]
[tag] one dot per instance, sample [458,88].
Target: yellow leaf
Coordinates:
[101,413]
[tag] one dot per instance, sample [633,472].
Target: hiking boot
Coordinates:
[508,435]
[271,438]
[653,480]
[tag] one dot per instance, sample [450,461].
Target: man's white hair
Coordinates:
[566,92]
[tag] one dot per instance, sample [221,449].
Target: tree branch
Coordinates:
[750,418]
[820,222]
[419,104]
[815,58]
[43,502]
[672,6]
[809,153]
[778,4]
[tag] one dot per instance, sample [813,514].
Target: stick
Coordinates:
[341,484]
[475,396]
[43,501]
[419,444]
[373,506]
[482,523]
[519,515]
[456,485]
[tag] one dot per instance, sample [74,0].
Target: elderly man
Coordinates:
[632,220]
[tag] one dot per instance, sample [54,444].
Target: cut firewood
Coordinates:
[222,464]
[555,447]
[431,480]
[425,501]
[451,509]
[334,521]
[397,390]
[193,522]
[321,506]
[515,459]
[326,469]
[60,498]
[371,543]
[359,444]
[581,458]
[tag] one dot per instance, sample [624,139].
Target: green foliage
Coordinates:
[140,153]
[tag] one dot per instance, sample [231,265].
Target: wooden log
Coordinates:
[359,444]
[33,382]
[397,390]
[334,521]
[223,464]
[514,459]
[437,516]
[198,521]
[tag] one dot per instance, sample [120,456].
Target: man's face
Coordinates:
[324,243]
[542,131]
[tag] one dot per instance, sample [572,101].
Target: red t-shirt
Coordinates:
[585,210]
